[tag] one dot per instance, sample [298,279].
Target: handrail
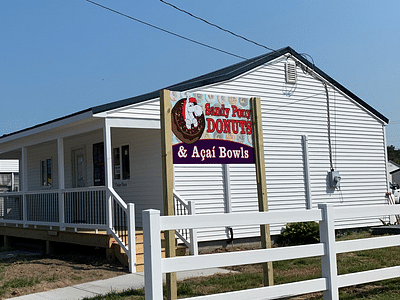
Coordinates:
[88,188]
[6,194]
[121,224]
[187,236]
[49,191]
[117,197]
[180,199]
[122,227]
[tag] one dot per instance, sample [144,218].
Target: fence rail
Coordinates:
[330,282]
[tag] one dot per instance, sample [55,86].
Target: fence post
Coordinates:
[328,261]
[131,238]
[152,255]
[194,248]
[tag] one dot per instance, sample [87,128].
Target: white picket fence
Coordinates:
[330,282]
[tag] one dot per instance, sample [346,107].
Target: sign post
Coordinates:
[211,129]
[168,184]
[261,184]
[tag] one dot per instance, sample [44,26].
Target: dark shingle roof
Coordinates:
[231,72]
[223,75]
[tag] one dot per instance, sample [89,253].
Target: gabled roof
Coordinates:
[219,76]
[233,71]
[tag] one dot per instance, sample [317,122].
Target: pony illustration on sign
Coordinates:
[211,129]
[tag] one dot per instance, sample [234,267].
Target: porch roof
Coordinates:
[223,74]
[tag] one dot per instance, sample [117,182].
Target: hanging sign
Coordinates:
[211,129]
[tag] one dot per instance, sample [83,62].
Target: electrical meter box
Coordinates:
[334,179]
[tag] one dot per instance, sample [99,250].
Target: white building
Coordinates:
[311,124]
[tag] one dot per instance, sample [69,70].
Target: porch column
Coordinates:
[108,171]
[61,182]
[24,185]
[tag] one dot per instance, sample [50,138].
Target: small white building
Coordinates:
[9,175]
[311,124]
[393,170]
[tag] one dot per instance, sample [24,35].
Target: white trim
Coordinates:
[386,158]
[108,172]
[306,162]
[106,113]
[330,85]
[61,180]
[134,123]
[30,139]
[49,126]
[119,146]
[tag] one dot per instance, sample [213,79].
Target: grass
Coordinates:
[18,283]
[29,277]
[294,270]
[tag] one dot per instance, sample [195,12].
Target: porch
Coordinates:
[94,216]
[86,175]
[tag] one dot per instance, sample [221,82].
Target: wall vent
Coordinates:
[290,70]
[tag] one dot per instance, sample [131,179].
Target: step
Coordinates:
[117,252]
[180,251]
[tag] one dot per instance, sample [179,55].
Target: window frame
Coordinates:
[46,173]
[123,163]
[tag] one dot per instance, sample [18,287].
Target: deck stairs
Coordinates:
[116,252]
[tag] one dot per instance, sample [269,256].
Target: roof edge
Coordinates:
[4,136]
[223,74]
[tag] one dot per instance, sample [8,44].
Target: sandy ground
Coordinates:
[22,273]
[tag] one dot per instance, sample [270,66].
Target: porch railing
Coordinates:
[78,208]
[11,206]
[122,226]
[43,207]
[85,206]
[187,236]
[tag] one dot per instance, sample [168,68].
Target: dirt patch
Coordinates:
[24,275]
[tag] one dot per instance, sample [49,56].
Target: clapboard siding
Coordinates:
[9,166]
[148,110]
[144,188]
[86,142]
[203,184]
[357,143]
[36,154]
[358,150]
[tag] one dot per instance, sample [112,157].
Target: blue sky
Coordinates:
[58,57]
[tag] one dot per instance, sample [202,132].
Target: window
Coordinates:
[46,172]
[121,163]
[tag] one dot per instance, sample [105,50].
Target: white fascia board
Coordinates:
[46,127]
[340,91]
[106,113]
[69,126]
[133,123]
